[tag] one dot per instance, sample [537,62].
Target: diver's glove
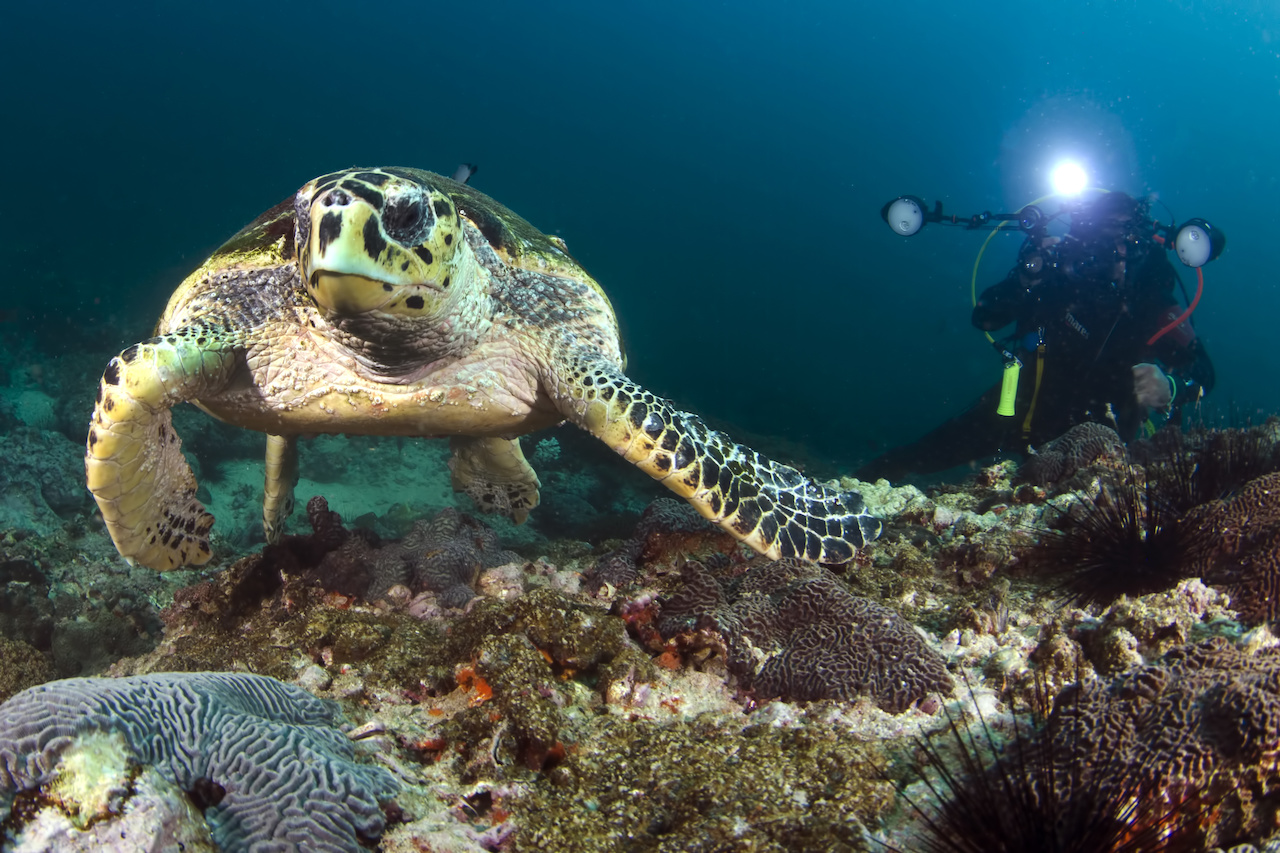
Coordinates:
[1153,387]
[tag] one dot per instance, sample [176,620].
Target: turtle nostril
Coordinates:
[335,198]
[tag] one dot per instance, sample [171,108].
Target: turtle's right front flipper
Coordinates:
[134,463]
[772,507]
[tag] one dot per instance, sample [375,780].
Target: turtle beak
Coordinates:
[348,295]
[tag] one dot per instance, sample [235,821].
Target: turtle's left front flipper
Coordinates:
[134,463]
[772,507]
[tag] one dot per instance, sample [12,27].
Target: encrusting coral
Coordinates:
[1200,731]
[666,527]
[1082,445]
[790,629]
[444,554]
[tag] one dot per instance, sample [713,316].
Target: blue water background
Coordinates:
[719,167]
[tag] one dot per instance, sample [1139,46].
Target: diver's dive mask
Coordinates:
[1113,229]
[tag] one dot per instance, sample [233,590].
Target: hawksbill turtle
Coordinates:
[394,301]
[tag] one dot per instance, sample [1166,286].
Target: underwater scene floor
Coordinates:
[1071,654]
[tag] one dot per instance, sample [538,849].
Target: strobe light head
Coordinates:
[1197,242]
[905,215]
[1069,179]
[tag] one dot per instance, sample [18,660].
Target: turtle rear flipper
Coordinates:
[770,506]
[133,461]
[494,472]
[280,481]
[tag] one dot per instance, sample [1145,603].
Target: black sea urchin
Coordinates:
[1214,464]
[1129,540]
[1027,795]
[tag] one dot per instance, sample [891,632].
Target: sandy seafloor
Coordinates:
[554,710]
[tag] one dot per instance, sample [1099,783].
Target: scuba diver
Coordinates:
[1098,336]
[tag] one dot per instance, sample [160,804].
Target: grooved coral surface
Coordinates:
[1205,726]
[1246,561]
[286,774]
[792,630]
[666,526]
[444,554]
[1079,446]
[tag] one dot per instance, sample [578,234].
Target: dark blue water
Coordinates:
[719,167]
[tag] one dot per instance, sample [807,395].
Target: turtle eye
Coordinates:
[407,218]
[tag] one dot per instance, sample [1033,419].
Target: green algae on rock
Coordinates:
[102,800]
[704,784]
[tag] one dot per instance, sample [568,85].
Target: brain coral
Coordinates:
[266,756]
[1203,729]
[667,526]
[444,554]
[791,630]
[1079,446]
[1246,558]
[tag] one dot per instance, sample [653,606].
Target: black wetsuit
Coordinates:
[1094,332]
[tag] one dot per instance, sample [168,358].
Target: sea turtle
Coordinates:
[393,301]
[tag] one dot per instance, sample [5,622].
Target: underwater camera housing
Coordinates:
[1089,247]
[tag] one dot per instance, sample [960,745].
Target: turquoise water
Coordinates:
[718,167]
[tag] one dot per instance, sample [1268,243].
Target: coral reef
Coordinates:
[30,406]
[101,799]
[599,691]
[1246,558]
[666,527]
[79,607]
[790,629]
[265,757]
[1083,444]
[41,481]
[1201,731]
[1128,540]
[708,785]
[1206,505]
[1006,785]
[1207,464]
[444,554]
[21,666]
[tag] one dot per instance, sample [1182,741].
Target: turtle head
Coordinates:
[377,242]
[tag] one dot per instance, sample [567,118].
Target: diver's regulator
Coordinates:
[1195,242]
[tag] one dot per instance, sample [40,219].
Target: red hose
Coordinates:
[1185,314]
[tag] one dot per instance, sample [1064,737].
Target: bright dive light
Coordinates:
[904,215]
[1198,242]
[1069,179]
